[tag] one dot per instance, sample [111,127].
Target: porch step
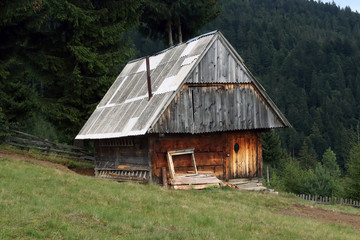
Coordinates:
[248,184]
[240,181]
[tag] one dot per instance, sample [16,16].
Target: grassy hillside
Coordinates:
[40,202]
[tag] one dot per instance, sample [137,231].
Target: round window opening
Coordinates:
[236,147]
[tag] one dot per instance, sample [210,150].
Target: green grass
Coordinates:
[39,202]
[52,157]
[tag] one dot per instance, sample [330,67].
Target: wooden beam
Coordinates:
[164,177]
[180,152]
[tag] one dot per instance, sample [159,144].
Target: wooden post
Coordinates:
[164,177]
[148,77]
[267,174]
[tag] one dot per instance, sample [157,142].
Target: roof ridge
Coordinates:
[166,49]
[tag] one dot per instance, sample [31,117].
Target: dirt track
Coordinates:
[322,215]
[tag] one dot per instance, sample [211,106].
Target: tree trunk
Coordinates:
[179,31]
[171,42]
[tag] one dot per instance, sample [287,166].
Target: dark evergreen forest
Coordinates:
[306,54]
[58,58]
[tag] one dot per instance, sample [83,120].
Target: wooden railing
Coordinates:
[27,141]
[329,200]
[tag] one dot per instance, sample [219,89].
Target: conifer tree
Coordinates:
[176,20]
[63,53]
[353,168]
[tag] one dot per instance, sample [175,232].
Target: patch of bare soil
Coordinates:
[85,171]
[34,160]
[322,215]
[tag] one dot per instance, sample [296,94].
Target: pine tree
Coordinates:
[271,148]
[353,170]
[176,20]
[330,164]
[64,54]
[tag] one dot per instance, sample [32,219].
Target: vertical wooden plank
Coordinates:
[212,63]
[171,165]
[219,60]
[164,177]
[194,163]
[247,156]
[233,165]
[196,74]
[260,155]
[243,108]
[231,69]
[254,150]
[216,65]
[224,155]
[153,159]
[225,65]
[239,156]
[197,110]
[244,156]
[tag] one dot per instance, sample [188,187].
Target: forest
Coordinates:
[58,58]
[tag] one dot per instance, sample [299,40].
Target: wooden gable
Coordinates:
[220,94]
[220,64]
[200,109]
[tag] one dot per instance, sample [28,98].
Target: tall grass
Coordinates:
[38,202]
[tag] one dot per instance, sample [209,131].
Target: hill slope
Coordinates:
[40,202]
[306,54]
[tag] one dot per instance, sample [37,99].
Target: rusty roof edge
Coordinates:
[257,84]
[171,98]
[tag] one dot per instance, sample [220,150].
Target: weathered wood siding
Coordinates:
[133,152]
[213,153]
[216,107]
[209,153]
[246,160]
[219,65]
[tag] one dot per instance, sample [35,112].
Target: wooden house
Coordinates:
[198,96]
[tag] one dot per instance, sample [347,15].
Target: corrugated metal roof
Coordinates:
[208,59]
[125,109]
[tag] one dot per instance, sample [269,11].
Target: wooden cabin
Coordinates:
[197,95]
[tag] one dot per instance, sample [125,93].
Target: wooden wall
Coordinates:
[216,107]
[219,65]
[130,151]
[246,160]
[214,153]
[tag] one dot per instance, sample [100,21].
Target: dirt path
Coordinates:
[322,215]
[4,154]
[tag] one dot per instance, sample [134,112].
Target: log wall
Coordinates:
[122,152]
[214,153]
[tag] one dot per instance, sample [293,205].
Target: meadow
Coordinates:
[41,202]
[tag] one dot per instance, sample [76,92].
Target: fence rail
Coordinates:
[329,200]
[28,141]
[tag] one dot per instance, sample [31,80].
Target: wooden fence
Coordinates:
[27,141]
[329,200]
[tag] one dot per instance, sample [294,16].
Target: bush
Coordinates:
[3,126]
[353,173]
[323,180]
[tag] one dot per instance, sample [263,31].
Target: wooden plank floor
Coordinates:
[194,181]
